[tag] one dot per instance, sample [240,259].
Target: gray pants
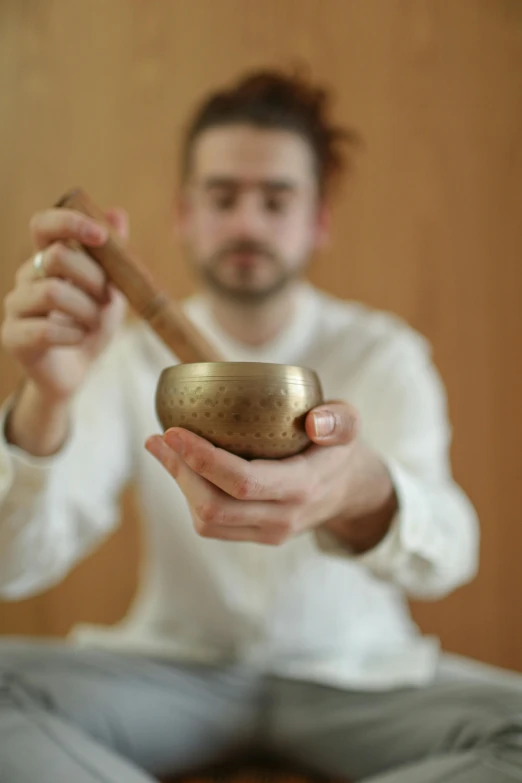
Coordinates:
[69,716]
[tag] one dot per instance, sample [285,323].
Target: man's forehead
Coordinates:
[252,155]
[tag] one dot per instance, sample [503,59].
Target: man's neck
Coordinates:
[254,324]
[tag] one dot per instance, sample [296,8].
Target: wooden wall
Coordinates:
[430,227]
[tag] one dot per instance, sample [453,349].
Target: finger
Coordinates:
[264,480]
[189,483]
[29,334]
[253,534]
[332,424]
[113,312]
[119,220]
[60,260]
[43,296]
[165,455]
[59,224]
[217,511]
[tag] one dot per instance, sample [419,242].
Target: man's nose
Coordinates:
[247,218]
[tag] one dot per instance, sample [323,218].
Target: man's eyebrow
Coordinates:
[231,183]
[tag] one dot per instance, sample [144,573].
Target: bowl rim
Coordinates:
[215,371]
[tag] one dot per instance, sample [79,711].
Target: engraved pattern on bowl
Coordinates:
[252,409]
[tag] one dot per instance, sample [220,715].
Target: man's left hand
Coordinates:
[268,501]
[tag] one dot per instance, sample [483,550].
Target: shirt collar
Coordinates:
[287,347]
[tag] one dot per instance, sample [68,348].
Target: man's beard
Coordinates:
[241,292]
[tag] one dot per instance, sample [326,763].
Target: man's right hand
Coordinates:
[57,321]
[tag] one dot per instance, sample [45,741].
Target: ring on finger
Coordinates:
[38,264]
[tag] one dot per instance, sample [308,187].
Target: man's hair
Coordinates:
[271,100]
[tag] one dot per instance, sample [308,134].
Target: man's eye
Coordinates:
[274,204]
[224,201]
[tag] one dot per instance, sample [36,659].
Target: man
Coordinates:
[272,609]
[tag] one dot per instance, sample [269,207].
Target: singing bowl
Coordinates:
[252,409]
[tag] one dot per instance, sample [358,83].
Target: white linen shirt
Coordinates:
[305,609]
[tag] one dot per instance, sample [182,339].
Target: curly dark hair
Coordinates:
[273,100]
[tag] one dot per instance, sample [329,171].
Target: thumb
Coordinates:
[332,423]
[119,220]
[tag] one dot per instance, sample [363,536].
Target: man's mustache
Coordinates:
[247,247]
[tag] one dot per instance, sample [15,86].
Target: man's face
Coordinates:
[250,215]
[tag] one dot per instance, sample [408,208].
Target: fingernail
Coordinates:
[93,233]
[151,444]
[324,423]
[174,441]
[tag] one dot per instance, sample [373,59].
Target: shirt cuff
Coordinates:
[19,469]
[409,532]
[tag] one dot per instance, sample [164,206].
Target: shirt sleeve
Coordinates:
[432,546]
[54,511]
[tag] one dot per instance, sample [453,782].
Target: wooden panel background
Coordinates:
[97,93]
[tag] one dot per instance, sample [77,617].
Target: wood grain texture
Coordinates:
[429,226]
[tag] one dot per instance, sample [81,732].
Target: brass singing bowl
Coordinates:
[253,409]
